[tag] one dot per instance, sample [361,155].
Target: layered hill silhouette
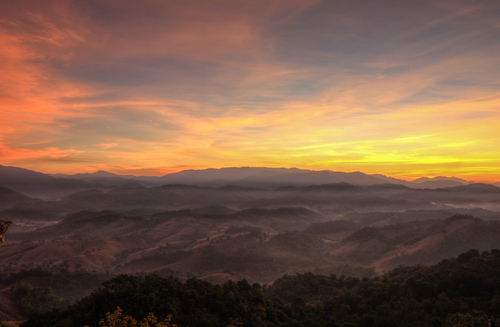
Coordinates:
[40,185]
[263,177]
[53,186]
[237,223]
[256,243]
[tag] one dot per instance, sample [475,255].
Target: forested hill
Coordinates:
[455,292]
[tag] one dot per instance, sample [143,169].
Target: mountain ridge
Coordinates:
[37,184]
[272,177]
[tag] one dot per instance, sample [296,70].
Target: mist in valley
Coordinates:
[83,231]
[254,232]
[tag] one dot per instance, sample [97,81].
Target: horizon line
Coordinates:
[130,173]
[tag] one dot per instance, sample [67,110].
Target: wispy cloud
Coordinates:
[403,88]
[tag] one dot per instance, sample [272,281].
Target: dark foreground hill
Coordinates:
[455,292]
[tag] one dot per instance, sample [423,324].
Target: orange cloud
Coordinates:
[156,86]
[10,154]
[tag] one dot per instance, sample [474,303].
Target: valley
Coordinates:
[234,232]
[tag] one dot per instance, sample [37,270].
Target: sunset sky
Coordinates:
[401,88]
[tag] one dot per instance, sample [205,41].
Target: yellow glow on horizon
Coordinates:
[236,87]
[435,150]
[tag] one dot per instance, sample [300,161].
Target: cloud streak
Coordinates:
[400,88]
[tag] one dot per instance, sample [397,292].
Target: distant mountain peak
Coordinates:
[477,187]
[440,178]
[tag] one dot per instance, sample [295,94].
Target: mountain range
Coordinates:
[236,223]
[226,224]
[265,178]
[55,186]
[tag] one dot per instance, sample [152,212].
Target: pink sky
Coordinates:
[401,88]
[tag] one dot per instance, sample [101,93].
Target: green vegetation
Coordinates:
[285,253]
[115,319]
[480,234]
[366,234]
[441,238]
[242,229]
[30,299]
[296,242]
[193,303]
[455,292]
[331,227]
[56,280]
[346,270]
[164,257]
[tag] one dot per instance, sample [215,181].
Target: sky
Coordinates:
[150,87]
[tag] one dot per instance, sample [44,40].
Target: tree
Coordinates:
[115,320]
[4,226]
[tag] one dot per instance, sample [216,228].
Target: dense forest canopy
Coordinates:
[454,292]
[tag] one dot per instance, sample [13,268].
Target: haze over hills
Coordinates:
[262,177]
[440,178]
[331,195]
[56,186]
[243,176]
[236,223]
[184,218]
[40,185]
[270,178]
[384,113]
